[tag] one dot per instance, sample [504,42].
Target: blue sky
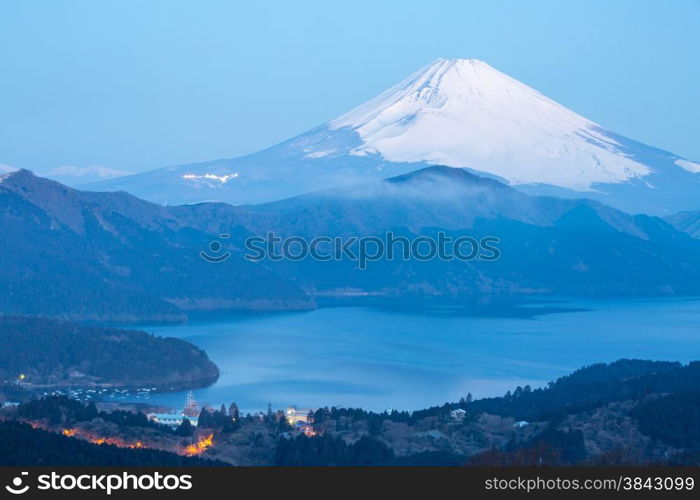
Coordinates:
[136,85]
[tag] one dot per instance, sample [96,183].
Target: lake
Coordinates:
[382,357]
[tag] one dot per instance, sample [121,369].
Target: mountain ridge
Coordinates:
[111,256]
[96,256]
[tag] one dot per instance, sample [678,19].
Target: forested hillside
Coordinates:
[47,351]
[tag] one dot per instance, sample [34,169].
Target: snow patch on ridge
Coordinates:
[319,154]
[688,165]
[223,179]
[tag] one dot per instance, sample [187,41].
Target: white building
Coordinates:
[171,419]
[294,415]
[458,414]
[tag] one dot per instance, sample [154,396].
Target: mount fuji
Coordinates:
[458,113]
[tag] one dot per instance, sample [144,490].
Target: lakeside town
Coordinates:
[603,414]
[299,419]
[226,435]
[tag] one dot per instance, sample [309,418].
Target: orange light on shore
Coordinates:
[116,442]
[200,446]
[95,439]
[100,439]
[36,425]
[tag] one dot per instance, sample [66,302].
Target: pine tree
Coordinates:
[205,419]
[233,411]
[185,428]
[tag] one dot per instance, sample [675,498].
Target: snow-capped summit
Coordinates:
[454,112]
[464,113]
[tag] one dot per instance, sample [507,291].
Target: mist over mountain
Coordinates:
[547,244]
[459,113]
[111,256]
[73,176]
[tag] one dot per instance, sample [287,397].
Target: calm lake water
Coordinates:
[410,358]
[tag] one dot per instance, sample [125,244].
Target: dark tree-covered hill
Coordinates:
[48,351]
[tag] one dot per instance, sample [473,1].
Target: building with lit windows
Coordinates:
[294,415]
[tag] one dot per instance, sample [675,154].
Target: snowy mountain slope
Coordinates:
[460,113]
[465,113]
